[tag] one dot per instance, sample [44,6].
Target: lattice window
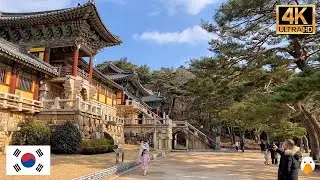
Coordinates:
[2,76]
[25,84]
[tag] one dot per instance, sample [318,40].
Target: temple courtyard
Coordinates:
[211,165]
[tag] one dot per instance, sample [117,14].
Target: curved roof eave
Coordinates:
[101,29]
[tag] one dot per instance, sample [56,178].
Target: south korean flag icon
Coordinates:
[28,160]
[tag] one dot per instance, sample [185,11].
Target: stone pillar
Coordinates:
[75,61]
[175,141]
[187,143]
[47,55]
[90,69]
[44,89]
[155,139]
[160,143]
[218,142]
[13,83]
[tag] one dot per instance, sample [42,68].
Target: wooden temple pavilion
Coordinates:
[44,73]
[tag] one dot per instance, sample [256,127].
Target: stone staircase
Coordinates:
[195,132]
[146,110]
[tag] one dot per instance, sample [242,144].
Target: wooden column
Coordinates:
[13,83]
[90,69]
[36,91]
[106,95]
[123,98]
[98,92]
[47,55]
[75,61]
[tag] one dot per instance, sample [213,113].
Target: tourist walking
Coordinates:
[264,151]
[141,148]
[242,145]
[274,158]
[146,145]
[237,146]
[145,160]
[289,162]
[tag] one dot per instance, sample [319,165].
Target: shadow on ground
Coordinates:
[224,166]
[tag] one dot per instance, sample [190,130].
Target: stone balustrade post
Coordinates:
[78,103]
[5,100]
[56,103]
[20,101]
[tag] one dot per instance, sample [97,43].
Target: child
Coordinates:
[145,160]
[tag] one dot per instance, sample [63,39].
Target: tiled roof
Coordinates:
[115,69]
[86,11]
[98,74]
[23,57]
[119,77]
[152,98]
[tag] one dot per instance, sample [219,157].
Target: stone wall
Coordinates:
[9,122]
[161,140]
[91,127]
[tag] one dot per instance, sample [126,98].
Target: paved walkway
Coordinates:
[202,166]
[66,167]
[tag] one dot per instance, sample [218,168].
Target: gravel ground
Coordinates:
[64,167]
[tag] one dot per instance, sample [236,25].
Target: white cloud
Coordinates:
[192,7]
[32,5]
[191,35]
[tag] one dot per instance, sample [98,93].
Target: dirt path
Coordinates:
[224,166]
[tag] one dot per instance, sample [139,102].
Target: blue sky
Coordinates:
[159,33]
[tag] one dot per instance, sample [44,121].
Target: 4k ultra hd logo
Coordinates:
[296,19]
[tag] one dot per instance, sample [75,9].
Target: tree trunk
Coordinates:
[313,129]
[172,107]
[233,135]
[306,144]
[242,133]
[230,135]
[314,140]
[257,135]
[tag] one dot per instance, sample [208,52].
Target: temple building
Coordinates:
[46,71]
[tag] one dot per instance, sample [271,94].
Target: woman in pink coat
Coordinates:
[145,160]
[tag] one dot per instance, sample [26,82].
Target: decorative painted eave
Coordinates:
[21,56]
[86,12]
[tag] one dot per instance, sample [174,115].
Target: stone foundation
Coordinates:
[91,127]
[162,139]
[9,123]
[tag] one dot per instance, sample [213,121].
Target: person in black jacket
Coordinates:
[264,151]
[242,145]
[289,162]
[274,158]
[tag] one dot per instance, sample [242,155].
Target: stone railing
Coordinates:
[193,130]
[146,111]
[19,103]
[68,71]
[106,112]
[83,74]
